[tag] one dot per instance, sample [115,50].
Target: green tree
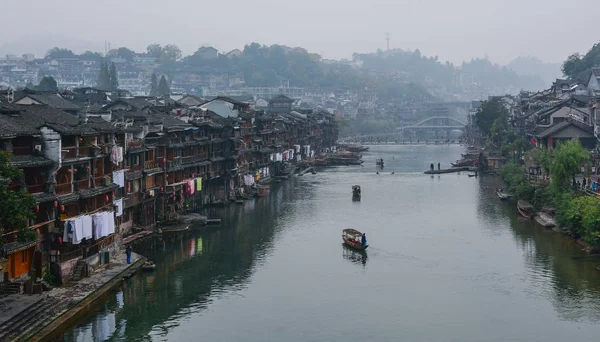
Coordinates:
[30,85]
[567,160]
[16,206]
[113,77]
[122,52]
[48,83]
[59,53]
[154,50]
[163,87]
[153,85]
[490,112]
[104,77]
[170,54]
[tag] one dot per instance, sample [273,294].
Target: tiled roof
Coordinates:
[29,161]
[44,197]
[52,100]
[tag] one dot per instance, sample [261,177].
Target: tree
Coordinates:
[113,77]
[154,50]
[170,54]
[89,55]
[30,85]
[16,206]
[488,113]
[48,83]
[104,77]
[567,160]
[153,85]
[163,87]
[59,53]
[122,52]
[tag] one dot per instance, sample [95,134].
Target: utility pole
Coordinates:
[387,39]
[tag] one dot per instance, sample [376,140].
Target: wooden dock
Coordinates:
[451,170]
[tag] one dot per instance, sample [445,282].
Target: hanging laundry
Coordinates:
[86,226]
[77,231]
[198,184]
[119,154]
[119,204]
[98,225]
[191,186]
[114,155]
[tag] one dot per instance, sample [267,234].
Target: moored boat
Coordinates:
[149,266]
[354,239]
[502,195]
[545,220]
[262,190]
[356,193]
[525,209]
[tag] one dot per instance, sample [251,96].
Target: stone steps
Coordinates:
[10,288]
[34,316]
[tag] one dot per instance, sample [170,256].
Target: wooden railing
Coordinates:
[82,184]
[63,189]
[150,164]
[35,188]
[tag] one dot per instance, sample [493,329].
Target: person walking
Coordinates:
[128,253]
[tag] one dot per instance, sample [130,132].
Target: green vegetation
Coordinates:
[491,115]
[153,85]
[16,206]
[163,87]
[575,211]
[577,67]
[104,76]
[113,77]
[48,83]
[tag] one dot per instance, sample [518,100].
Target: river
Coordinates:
[447,261]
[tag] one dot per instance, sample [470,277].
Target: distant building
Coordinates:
[280,104]
[207,52]
[234,53]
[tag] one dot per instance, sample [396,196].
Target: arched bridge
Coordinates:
[436,123]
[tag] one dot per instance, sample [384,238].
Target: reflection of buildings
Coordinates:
[103,326]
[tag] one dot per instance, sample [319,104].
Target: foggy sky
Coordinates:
[454,30]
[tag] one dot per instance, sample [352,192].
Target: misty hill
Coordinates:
[40,43]
[471,79]
[533,66]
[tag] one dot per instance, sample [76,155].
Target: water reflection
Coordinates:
[558,269]
[354,256]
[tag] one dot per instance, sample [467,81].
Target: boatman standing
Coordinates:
[363,239]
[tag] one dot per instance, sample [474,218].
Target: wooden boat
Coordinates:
[239,201]
[350,236]
[356,194]
[545,220]
[149,266]
[525,209]
[502,195]
[472,175]
[262,190]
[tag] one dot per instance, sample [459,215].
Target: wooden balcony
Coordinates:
[82,184]
[22,150]
[35,188]
[63,189]
[194,158]
[135,143]
[69,152]
[150,164]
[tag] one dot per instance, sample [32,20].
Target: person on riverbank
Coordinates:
[584,183]
[128,252]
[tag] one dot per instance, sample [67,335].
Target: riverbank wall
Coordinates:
[46,318]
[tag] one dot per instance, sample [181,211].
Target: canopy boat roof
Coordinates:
[352,232]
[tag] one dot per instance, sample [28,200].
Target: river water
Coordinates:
[447,261]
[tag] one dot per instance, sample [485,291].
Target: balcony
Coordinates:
[69,152]
[82,184]
[133,200]
[174,165]
[150,164]
[135,143]
[63,189]
[22,150]
[35,188]
[194,158]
